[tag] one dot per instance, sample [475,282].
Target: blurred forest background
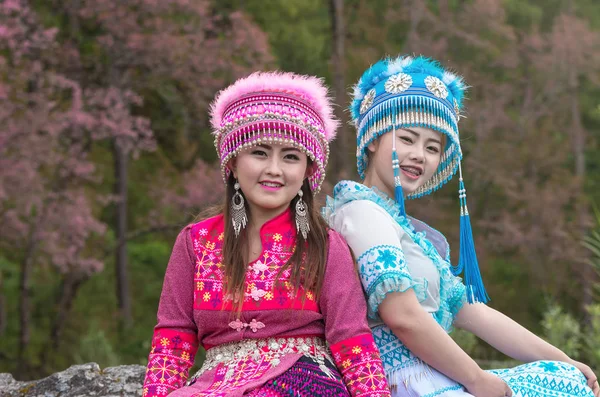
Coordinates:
[106,152]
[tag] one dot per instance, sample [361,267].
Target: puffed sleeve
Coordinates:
[175,340]
[346,329]
[374,237]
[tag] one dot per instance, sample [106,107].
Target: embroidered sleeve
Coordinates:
[346,329]
[375,241]
[359,362]
[175,339]
[170,360]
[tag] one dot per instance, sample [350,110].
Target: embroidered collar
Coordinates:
[347,191]
[278,230]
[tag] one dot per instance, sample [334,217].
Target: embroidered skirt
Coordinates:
[305,378]
[272,367]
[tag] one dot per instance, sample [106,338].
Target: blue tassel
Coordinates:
[467,258]
[398,192]
[400,199]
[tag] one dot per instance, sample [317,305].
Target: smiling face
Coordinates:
[419,152]
[270,176]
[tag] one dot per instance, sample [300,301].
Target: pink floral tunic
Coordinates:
[275,329]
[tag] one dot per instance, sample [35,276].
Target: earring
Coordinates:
[238,211]
[302,224]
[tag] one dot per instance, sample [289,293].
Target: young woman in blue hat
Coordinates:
[406,112]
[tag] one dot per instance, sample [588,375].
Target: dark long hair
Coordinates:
[307,263]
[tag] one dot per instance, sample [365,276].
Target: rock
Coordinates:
[79,380]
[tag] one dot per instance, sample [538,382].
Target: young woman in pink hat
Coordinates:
[265,287]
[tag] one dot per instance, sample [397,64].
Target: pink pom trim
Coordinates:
[310,89]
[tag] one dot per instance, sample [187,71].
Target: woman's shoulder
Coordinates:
[355,199]
[363,217]
[334,238]
[360,207]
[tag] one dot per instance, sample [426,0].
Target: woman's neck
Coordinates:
[374,181]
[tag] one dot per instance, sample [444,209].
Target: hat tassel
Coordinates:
[467,259]
[398,192]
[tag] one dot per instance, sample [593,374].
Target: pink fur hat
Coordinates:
[275,108]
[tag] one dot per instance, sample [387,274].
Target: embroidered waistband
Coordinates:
[264,351]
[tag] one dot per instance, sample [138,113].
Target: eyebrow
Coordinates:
[285,149]
[417,134]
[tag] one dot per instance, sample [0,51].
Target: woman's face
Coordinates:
[419,152]
[270,176]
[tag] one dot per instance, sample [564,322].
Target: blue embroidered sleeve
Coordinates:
[383,270]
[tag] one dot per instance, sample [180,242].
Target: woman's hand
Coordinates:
[592,379]
[488,385]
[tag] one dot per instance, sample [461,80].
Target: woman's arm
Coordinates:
[175,339]
[346,329]
[506,335]
[417,329]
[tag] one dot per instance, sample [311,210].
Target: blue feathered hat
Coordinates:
[406,92]
[409,92]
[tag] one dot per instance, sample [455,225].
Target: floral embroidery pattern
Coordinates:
[263,289]
[387,258]
[170,360]
[360,364]
[383,270]
[256,294]
[545,378]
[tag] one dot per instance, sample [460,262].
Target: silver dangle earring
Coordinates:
[239,219]
[302,224]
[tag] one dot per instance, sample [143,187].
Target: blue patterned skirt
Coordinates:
[537,379]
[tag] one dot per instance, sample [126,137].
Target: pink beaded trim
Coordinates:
[275,103]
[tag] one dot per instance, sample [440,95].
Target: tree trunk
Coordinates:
[578,141]
[339,148]
[70,286]
[2,306]
[24,298]
[120,189]
[582,213]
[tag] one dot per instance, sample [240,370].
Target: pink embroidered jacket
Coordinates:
[193,311]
